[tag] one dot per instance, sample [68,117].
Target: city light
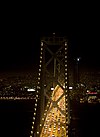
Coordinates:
[30,89]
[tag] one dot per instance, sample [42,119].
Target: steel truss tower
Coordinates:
[52,76]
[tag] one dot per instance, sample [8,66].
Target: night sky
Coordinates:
[21,28]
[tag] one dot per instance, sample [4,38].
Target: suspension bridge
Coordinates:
[52,92]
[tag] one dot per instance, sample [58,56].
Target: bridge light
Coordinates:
[38,78]
[40,57]
[42,118]
[31,132]
[65,82]
[34,118]
[40,125]
[34,113]
[65,43]
[39,69]
[65,73]
[40,61]
[36,95]
[41,43]
[37,132]
[41,48]
[37,91]
[40,66]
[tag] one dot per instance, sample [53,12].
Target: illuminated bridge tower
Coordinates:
[52,91]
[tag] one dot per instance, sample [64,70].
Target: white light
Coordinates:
[30,89]
[66,82]
[65,43]
[41,43]
[34,113]
[42,118]
[78,59]
[37,132]
[31,132]
[37,91]
[38,78]
[34,118]
[70,87]
[88,91]
[52,88]
[26,87]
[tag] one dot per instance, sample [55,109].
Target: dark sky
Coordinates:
[22,27]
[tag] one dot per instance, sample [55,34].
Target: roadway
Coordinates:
[54,124]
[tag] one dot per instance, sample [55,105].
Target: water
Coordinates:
[86,120]
[16,118]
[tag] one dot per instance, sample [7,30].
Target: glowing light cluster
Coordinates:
[55,121]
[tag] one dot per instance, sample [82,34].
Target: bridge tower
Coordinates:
[52,97]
